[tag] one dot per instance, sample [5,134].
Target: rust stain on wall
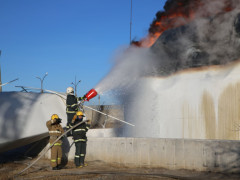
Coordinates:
[208,115]
[229,113]
[190,122]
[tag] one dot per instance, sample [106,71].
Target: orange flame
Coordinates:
[178,13]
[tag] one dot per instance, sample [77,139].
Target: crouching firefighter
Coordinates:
[80,139]
[72,106]
[55,130]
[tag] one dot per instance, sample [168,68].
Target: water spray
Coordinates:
[91,94]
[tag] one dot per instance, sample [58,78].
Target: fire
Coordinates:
[178,13]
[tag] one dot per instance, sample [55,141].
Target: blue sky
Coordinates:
[67,38]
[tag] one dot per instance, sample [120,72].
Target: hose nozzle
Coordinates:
[91,94]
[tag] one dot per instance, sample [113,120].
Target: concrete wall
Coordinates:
[200,155]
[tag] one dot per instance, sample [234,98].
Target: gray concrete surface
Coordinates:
[173,154]
[200,155]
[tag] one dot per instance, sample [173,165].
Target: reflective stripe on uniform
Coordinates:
[79,130]
[87,127]
[59,158]
[72,105]
[57,144]
[82,154]
[54,131]
[80,140]
[77,156]
[53,160]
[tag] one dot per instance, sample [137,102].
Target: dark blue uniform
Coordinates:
[72,108]
[80,140]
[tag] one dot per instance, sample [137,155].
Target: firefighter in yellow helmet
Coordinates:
[80,139]
[55,130]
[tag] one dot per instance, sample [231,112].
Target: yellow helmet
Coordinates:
[79,113]
[54,116]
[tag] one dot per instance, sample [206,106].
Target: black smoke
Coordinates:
[205,41]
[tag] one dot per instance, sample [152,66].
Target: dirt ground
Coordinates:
[97,170]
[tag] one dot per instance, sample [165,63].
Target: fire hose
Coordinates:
[92,93]
[50,147]
[108,115]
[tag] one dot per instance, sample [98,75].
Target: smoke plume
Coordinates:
[180,12]
[211,39]
[188,34]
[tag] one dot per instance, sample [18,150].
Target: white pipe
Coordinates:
[54,92]
[8,82]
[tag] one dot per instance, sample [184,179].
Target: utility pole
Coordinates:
[99,99]
[131,23]
[42,81]
[75,86]
[0,73]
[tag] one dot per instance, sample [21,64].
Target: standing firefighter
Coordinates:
[72,106]
[55,130]
[80,139]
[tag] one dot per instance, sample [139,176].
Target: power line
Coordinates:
[0,74]
[131,23]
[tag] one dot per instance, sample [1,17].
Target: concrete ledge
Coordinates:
[200,155]
[106,132]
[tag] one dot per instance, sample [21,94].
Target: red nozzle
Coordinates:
[91,94]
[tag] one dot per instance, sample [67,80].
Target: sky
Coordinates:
[67,39]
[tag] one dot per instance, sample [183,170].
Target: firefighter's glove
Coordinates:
[58,121]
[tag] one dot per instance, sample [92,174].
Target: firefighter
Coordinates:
[55,130]
[80,138]
[72,106]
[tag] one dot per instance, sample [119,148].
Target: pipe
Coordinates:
[91,94]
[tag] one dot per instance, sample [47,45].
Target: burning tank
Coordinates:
[194,90]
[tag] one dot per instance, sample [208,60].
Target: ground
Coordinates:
[97,170]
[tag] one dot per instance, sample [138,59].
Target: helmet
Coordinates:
[54,116]
[70,90]
[79,113]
